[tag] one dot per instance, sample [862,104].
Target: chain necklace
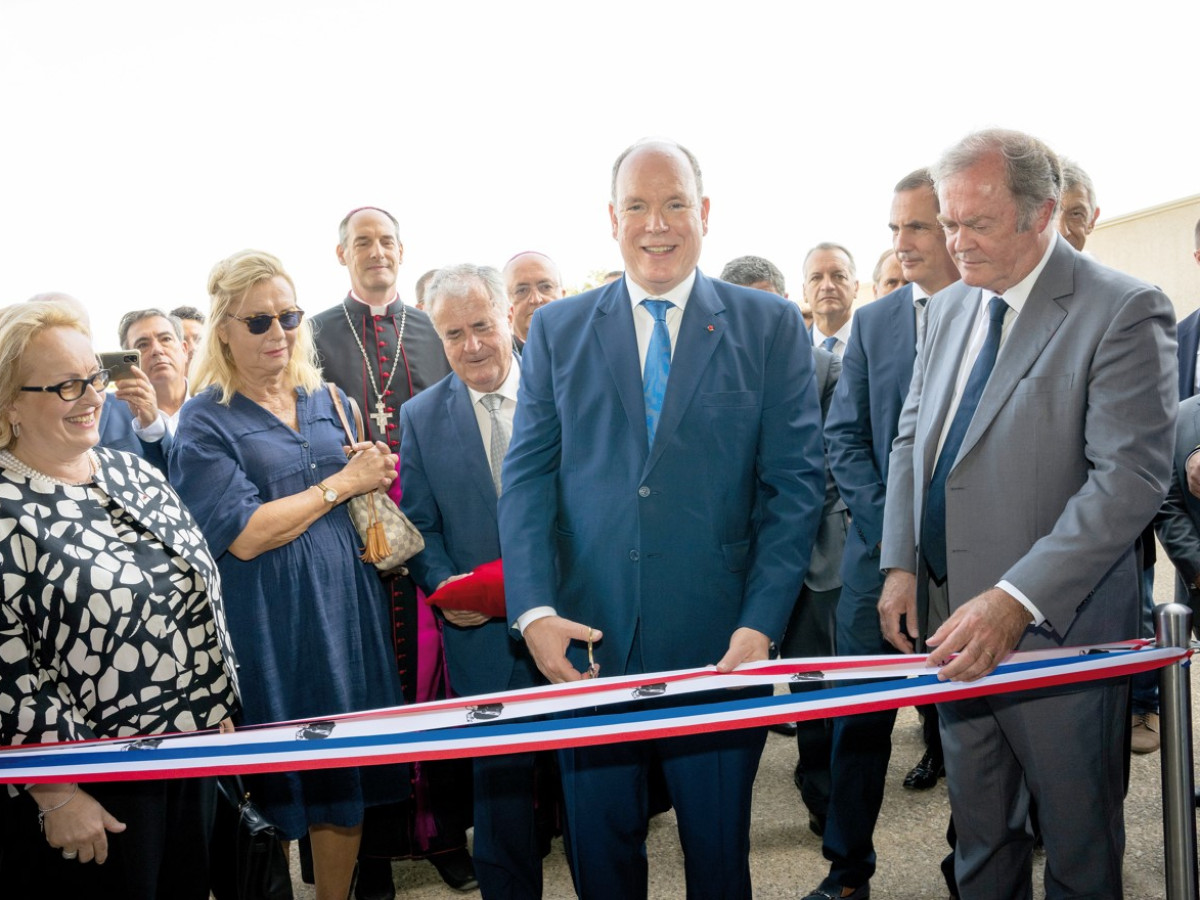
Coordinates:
[9,461]
[380,416]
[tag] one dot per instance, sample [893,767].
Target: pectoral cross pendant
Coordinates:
[380,418]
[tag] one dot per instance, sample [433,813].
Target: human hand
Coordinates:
[1192,470]
[745,645]
[138,393]
[372,466]
[898,600]
[464,618]
[548,639]
[982,632]
[80,826]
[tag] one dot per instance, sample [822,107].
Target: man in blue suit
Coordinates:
[672,525]
[451,443]
[863,420]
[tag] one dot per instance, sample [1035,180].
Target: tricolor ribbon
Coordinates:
[498,723]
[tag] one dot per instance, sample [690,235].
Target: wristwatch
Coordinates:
[330,495]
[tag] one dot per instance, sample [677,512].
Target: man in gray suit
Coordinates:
[1033,448]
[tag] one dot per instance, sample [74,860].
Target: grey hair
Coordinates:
[747,270]
[1074,176]
[1032,170]
[132,318]
[457,281]
[650,142]
[830,245]
[878,270]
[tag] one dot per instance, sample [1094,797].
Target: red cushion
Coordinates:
[481,591]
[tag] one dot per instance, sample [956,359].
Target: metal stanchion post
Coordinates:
[1172,628]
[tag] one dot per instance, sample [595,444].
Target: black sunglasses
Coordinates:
[74,388]
[289,320]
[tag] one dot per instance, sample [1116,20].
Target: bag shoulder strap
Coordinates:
[341,413]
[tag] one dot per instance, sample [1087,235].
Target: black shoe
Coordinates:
[925,774]
[787,729]
[829,891]
[816,823]
[374,879]
[456,869]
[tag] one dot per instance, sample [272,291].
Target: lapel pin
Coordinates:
[711,329]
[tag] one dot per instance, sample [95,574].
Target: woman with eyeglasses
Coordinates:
[259,458]
[111,625]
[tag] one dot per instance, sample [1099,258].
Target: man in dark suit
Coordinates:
[810,629]
[669,524]
[452,443]
[1189,340]
[862,422]
[1033,447]
[1178,522]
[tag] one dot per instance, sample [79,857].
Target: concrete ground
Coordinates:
[786,859]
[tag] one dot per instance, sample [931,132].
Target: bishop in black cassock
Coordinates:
[382,352]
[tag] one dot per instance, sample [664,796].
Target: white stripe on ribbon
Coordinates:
[488,724]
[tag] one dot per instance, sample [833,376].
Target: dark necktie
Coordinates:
[658,364]
[499,442]
[933,526]
[829,343]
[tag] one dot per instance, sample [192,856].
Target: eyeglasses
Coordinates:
[289,320]
[74,388]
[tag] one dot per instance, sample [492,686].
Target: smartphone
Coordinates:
[120,363]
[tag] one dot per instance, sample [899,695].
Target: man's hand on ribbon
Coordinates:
[548,639]
[979,635]
[745,645]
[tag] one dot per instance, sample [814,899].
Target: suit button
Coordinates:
[634,555]
[643,491]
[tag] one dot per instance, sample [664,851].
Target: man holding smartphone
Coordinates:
[150,376]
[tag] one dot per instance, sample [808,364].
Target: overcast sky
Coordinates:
[142,142]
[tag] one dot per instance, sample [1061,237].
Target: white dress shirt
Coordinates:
[1015,297]
[508,406]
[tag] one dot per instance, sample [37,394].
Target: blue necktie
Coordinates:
[829,343]
[658,364]
[933,526]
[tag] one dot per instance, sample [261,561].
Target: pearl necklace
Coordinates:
[9,461]
[380,416]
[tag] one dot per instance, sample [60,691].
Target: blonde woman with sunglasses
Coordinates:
[259,457]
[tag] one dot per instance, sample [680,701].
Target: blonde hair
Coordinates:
[228,283]
[19,325]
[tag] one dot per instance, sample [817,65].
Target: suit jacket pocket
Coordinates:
[737,555]
[1045,384]
[730,399]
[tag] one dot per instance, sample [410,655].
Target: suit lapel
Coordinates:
[903,324]
[700,333]
[461,415]
[613,327]
[1040,318]
[953,332]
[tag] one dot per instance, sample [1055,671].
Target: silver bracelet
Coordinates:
[42,812]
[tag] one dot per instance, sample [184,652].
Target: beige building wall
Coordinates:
[1156,245]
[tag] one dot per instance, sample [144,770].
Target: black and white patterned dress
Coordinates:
[111,622]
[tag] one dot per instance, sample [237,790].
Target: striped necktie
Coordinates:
[500,436]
